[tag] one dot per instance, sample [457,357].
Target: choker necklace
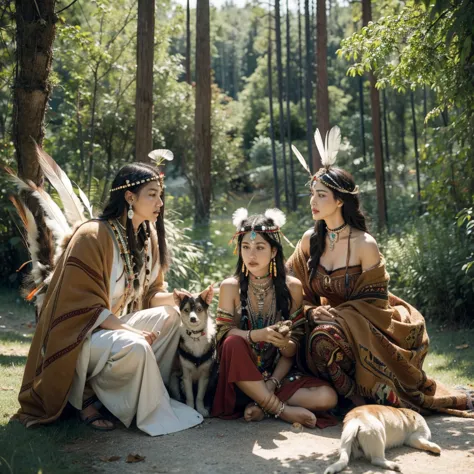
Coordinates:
[333,234]
[260,278]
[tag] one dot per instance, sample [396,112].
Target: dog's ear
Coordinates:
[178,297]
[207,295]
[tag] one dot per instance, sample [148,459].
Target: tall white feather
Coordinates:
[320,145]
[32,239]
[239,216]
[86,202]
[277,216]
[73,209]
[333,143]
[301,159]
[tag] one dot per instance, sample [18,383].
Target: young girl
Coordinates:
[255,353]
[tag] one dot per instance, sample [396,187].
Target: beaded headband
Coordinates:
[128,184]
[241,214]
[328,152]
[158,156]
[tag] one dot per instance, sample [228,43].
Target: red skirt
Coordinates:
[237,364]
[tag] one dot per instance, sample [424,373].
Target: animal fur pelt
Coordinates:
[48,228]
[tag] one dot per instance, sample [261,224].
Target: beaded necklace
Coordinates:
[127,259]
[258,320]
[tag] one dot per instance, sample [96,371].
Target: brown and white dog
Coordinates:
[196,351]
[370,429]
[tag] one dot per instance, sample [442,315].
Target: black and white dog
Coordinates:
[196,351]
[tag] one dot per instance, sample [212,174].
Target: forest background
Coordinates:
[400,87]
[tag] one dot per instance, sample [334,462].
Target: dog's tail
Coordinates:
[349,434]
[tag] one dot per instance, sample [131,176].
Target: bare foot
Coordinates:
[91,411]
[253,413]
[299,415]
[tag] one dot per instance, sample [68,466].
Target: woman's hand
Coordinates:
[321,313]
[270,335]
[150,336]
[271,386]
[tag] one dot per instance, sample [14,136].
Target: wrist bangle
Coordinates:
[249,337]
[276,382]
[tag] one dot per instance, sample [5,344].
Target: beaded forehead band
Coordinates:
[328,152]
[158,156]
[241,215]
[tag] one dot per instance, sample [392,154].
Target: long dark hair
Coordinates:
[351,213]
[282,292]
[117,205]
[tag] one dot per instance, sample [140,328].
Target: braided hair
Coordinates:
[282,292]
[351,213]
[117,205]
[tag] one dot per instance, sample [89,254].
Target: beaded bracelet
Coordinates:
[249,338]
[280,410]
[275,381]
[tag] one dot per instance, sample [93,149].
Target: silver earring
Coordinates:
[130,212]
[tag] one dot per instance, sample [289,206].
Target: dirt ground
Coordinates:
[227,447]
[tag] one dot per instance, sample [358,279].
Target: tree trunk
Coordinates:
[417,156]
[35,32]
[385,131]
[276,186]
[322,96]
[144,93]
[308,88]
[280,97]
[188,43]
[300,61]
[376,132]
[362,118]
[288,109]
[202,134]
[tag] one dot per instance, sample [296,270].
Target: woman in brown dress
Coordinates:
[367,342]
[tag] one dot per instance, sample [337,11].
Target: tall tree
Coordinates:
[308,88]
[188,43]
[300,61]
[385,132]
[202,131]
[322,95]
[376,132]
[417,156]
[144,93]
[288,109]
[36,30]
[280,97]
[276,185]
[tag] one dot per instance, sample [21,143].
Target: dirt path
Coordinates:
[227,447]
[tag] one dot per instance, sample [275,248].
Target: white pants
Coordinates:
[128,375]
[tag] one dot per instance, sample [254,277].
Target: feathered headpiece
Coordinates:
[158,156]
[328,151]
[242,214]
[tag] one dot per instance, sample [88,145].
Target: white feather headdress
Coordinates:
[239,216]
[277,216]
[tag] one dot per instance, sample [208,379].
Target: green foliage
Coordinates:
[426,266]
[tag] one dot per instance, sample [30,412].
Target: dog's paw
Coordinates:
[203,411]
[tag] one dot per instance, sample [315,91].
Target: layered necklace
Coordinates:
[259,319]
[127,259]
[333,234]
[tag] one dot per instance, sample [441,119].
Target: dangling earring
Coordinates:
[130,212]
[270,270]
[245,270]
[274,265]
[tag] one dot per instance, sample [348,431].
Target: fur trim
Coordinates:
[278,217]
[239,216]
